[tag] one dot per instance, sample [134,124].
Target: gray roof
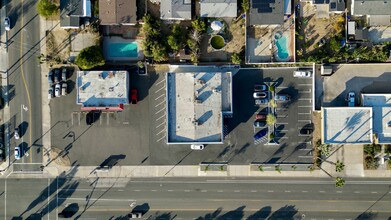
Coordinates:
[70,13]
[372,7]
[337,5]
[175,9]
[218,8]
[267,12]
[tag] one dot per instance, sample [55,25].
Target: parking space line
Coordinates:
[304,120]
[306,156]
[304,99]
[304,106]
[308,84]
[306,91]
[161,131]
[160,111]
[282,87]
[164,86]
[79,117]
[282,116]
[304,113]
[161,123]
[304,135]
[281,123]
[160,103]
[161,138]
[160,117]
[160,82]
[160,96]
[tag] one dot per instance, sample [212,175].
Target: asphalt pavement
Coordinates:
[25,84]
[196,198]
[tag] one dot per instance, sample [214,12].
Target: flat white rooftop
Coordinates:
[102,88]
[381,107]
[343,125]
[195,105]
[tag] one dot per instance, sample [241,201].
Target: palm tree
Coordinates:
[339,166]
[339,182]
[270,119]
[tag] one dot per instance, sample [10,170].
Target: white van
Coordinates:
[197,146]
[302,73]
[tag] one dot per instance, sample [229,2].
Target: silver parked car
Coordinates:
[7,24]
[57,90]
[259,95]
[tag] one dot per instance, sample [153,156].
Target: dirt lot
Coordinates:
[58,44]
[311,29]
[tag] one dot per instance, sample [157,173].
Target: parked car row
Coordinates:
[261,92]
[57,83]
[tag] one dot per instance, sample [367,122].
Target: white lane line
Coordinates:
[339,192]
[94,199]
[204,191]
[270,191]
[120,190]
[356,192]
[301,120]
[161,138]
[160,82]
[170,190]
[374,192]
[282,87]
[161,131]
[306,84]
[283,130]
[164,122]
[160,89]
[237,191]
[220,191]
[161,117]
[322,191]
[306,91]
[186,190]
[304,113]
[137,190]
[287,191]
[253,191]
[281,123]
[153,190]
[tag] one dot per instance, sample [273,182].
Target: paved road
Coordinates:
[25,83]
[195,198]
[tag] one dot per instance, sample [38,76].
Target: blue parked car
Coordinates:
[260,134]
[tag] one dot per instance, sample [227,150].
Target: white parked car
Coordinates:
[259,95]
[16,133]
[7,24]
[197,146]
[302,74]
[57,90]
[50,92]
[17,153]
[64,89]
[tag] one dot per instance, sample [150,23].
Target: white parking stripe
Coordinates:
[305,99]
[304,113]
[309,121]
[310,84]
[304,106]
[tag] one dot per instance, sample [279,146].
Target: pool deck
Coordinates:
[110,40]
[289,32]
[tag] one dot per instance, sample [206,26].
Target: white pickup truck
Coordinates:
[302,73]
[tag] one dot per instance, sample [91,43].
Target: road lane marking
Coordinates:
[356,192]
[374,192]
[98,199]
[287,191]
[304,191]
[220,191]
[270,191]
[137,190]
[186,190]
[170,190]
[253,191]
[204,191]
[339,192]
[237,191]
[153,190]
[322,191]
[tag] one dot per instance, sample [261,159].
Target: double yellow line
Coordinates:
[24,81]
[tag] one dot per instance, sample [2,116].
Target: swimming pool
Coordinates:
[123,50]
[281,44]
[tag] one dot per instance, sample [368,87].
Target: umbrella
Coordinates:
[216,25]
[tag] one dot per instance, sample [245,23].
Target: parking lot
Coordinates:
[359,79]
[137,135]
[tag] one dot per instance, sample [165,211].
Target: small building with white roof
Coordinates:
[196,105]
[347,125]
[102,90]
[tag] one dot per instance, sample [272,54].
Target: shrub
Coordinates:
[90,57]
[387,149]
[270,119]
[339,182]
[46,8]
[245,5]
[198,25]
[371,163]
[236,58]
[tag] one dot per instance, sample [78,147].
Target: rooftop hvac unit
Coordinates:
[197,101]
[196,123]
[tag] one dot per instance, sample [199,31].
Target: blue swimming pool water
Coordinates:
[123,50]
[282,50]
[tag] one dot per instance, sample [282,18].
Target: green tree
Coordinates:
[198,25]
[334,45]
[90,57]
[46,8]
[236,58]
[245,6]
[159,52]
[339,166]
[270,119]
[339,182]
[176,38]
[324,149]
[278,168]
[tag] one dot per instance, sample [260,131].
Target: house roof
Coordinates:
[117,12]
[218,8]
[267,12]
[175,9]
[371,7]
[72,10]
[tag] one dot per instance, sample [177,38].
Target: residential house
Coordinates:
[218,8]
[377,12]
[266,12]
[117,12]
[175,9]
[331,6]
[72,10]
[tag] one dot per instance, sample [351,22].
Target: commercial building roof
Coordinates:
[218,8]
[267,12]
[112,12]
[371,7]
[381,107]
[347,125]
[175,9]
[196,102]
[108,90]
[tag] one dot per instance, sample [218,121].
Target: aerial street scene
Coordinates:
[195,109]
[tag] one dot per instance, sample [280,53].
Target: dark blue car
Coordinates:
[260,134]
